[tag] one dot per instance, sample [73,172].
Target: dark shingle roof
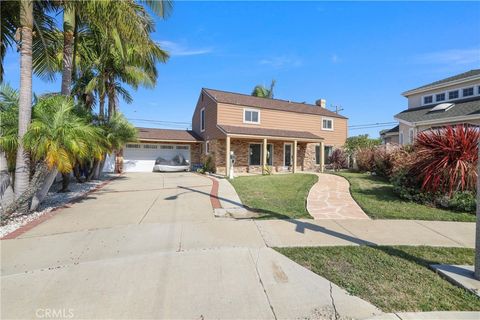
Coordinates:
[253,131]
[275,104]
[395,129]
[468,74]
[464,108]
[167,135]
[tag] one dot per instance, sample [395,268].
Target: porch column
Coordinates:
[264,156]
[322,156]
[227,156]
[294,156]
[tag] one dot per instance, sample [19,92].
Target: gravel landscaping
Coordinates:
[53,200]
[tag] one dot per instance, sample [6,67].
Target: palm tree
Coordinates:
[262,92]
[43,42]
[22,171]
[58,137]
[8,141]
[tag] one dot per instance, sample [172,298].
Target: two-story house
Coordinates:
[451,101]
[261,134]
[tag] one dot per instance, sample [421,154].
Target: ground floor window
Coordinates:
[270,154]
[255,155]
[328,152]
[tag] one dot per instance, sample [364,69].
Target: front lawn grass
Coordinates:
[394,279]
[281,196]
[376,197]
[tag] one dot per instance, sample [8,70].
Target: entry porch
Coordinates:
[286,152]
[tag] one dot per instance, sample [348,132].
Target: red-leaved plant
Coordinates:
[446,159]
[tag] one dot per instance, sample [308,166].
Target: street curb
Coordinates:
[32,224]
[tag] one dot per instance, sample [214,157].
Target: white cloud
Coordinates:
[180,49]
[281,62]
[335,58]
[452,56]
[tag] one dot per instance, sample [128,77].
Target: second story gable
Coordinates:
[459,87]
[217,108]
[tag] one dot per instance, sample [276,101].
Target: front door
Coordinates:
[287,154]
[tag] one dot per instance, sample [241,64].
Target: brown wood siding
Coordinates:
[211,130]
[275,119]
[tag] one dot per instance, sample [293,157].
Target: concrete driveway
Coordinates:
[147,246]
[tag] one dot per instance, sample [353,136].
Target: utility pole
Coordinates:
[477,236]
[337,109]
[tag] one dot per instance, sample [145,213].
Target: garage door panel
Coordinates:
[140,157]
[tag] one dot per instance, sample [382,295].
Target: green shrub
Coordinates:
[463,201]
[208,165]
[408,187]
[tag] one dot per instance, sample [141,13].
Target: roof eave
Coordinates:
[439,86]
[439,121]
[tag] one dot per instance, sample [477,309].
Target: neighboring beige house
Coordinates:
[451,101]
[259,132]
[390,136]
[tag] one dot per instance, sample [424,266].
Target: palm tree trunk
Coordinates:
[111,97]
[43,189]
[68,40]
[101,111]
[21,204]
[68,43]
[22,171]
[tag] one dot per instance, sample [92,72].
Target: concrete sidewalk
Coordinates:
[304,232]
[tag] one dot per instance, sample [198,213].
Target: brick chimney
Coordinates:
[321,103]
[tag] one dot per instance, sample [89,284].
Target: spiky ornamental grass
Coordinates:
[446,159]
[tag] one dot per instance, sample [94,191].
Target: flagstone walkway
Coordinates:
[330,198]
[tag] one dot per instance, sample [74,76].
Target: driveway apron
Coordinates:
[147,246]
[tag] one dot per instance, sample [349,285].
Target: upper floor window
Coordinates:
[468,92]
[440,97]
[202,119]
[251,116]
[427,99]
[327,124]
[453,94]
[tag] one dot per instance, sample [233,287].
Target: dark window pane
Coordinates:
[440,97]
[428,99]
[453,94]
[254,116]
[468,92]
[328,153]
[270,154]
[287,154]
[255,152]
[317,154]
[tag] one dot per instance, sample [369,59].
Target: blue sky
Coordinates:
[359,56]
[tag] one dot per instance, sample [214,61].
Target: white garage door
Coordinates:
[140,157]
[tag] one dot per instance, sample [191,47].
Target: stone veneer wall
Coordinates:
[196,151]
[305,156]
